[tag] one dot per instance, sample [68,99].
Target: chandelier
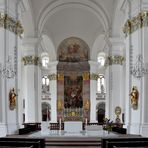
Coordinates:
[7,70]
[139,69]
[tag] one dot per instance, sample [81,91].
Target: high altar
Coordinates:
[73,93]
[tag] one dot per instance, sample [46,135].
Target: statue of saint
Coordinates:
[12,99]
[134,97]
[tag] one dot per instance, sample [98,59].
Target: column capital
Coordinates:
[116,59]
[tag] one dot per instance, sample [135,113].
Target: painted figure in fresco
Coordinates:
[12,99]
[134,97]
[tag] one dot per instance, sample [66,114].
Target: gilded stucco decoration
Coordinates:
[31,60]
[11,24]
[86,104]
[115,60]
[94,76]
[135,23]
[60,104]
[52,76]
[60,76]
[86,75]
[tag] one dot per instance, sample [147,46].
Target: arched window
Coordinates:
[45,84]
[101,60]
[101,84]
[45,61]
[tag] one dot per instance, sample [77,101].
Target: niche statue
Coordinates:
[12,99]
[134,95]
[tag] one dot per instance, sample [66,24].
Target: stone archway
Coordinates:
[100,109]
[46,111]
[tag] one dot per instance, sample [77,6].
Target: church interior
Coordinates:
[74,73]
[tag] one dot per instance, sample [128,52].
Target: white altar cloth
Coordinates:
[73,126]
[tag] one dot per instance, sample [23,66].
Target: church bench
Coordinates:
[22,142]
[124,142]
[119,130]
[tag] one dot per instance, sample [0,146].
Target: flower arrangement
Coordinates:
[108,125]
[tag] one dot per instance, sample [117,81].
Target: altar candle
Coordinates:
[60,121]
[47,113]
[86,121]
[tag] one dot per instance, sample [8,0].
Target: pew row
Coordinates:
[22,142]
[139,142]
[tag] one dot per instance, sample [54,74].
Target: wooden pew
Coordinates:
[124,142]
[22,142]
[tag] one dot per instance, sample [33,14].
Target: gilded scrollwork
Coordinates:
[31,60]
[135,23]
[115,60]
[86,76]
[94,76]
[11,24]
[52,76]
[60,76]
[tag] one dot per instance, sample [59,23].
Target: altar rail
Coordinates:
[30,127]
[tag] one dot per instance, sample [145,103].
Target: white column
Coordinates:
[53,90]
[93,90]
[31,80]
[115,75]
[9,122]
[144,108]
[136,44]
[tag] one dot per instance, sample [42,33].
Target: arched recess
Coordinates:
[46,111]
[100,112]
[56,5]
[48,47]
[101,44]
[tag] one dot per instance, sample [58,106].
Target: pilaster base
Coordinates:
[12,128]
[134,128]
[3,130]
[144,130]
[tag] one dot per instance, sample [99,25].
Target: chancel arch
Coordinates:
[46,111]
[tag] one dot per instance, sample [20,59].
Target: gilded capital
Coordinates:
[94,76]
[61,77]
[11,24]
[86,76]
[135,23]
[30,60]
[52,76]
[115,60]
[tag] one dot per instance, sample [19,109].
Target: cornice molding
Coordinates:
[11,24]
[31,60]
[135,23]
[116,59]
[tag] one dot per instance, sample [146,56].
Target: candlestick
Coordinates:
[47,113]
[86,121]
[60,123]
